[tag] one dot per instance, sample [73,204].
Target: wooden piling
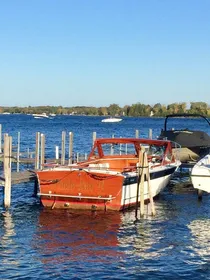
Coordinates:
[63,145]
[42,153]
[137,133]
[142,156]
[94,137]
[149,186]
[140,183]
[71,137]
[57,154]
[150,133]
[37,152]
[18,152]
[7,170]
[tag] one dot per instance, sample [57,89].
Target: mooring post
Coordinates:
[150,133]
[94,137]
[142,161]
[137,133]
[7,170]
[112,147]
[18,152]
[71,136]
[37,150]
[63,145]
[149,185]
[139,170]
[57,154]
[42,161]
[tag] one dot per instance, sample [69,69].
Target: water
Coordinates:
[37,243]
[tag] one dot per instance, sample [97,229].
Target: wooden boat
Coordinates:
[200,174]
[194,143]
[111,120]
[109,178]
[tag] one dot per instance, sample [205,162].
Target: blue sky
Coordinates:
[100,52]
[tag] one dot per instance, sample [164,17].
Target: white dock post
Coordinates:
[94,137]
[42,153]
[112,147]
[137,133]
[71,137]
[37,150]
[18,152]
[150,133]
[7,170]
[63,145]
[57,153]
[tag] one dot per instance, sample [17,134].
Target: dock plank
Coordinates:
[20,177]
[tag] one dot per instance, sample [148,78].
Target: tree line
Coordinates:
[134,110]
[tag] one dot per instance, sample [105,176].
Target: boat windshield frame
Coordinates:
[98,151]
[183,115]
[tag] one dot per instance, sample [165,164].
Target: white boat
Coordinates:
[40,116]
[200,174]
[112,120]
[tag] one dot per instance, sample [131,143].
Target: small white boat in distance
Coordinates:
[112,120]
[40,116]
[200,174]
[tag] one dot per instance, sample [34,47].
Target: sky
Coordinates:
[101,52]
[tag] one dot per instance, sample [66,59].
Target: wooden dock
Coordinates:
[20,177]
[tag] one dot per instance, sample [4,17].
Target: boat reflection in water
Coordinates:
[7,243]
[95,236]
[74,235]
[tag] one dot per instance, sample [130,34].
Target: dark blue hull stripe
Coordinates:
[153,175]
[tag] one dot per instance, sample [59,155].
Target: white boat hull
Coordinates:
[156,185]
[200,175]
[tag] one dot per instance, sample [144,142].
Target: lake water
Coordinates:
[36,243]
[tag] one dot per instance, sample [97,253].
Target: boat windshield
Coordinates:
[155,150]
[118,149]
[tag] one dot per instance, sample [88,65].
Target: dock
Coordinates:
[20,177]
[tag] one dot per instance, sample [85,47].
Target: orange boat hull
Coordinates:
[80,189]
